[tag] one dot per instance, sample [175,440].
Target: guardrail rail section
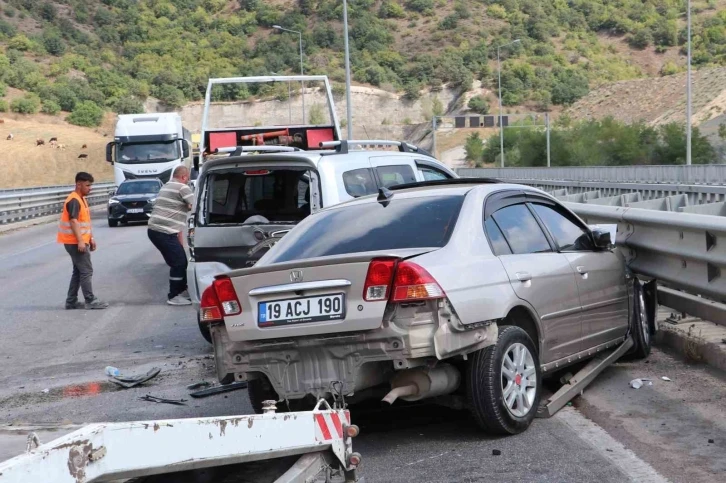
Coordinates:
[25,203]
[671,222]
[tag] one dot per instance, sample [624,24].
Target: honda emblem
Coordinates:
[296,276]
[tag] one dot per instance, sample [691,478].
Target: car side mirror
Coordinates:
[111,192]
[185,148]
[109,152]
[602,239]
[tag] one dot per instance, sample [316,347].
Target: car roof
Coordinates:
[139,180]
[456,189]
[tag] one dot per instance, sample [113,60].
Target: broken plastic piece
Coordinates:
[638,383]
[133,381]
[199,385]
[666,378]
[219,389]
[161,400]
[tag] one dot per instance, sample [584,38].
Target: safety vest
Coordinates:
[65,232]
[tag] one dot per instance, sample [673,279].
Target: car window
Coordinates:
[138,188]
[359,182]
[431,174]
[403,223]
[568,235]
[395,174]
[219,191]
[499,244]
[521,230]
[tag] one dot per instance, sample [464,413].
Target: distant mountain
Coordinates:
[113,54]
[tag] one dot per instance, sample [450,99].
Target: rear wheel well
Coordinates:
[522,318]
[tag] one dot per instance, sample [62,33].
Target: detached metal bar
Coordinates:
[127,450]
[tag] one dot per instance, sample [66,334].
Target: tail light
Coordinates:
[412,282]
[378,279]
[227,297]
[399,281]
[218,300]
[209,310]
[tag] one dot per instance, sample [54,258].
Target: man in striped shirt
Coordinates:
[165,231]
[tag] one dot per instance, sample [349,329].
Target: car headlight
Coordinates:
[152,200]
[113,201]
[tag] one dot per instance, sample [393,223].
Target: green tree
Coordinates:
[86,113]
[316,116]
[479,105]
[474,149]
[50,107]
[28,104]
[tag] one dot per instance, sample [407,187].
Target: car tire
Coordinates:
[487,383]
[204,329]
[113,223]
[640,330]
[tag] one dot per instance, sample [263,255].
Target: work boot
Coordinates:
[96,304]
[75,305]
[179,300]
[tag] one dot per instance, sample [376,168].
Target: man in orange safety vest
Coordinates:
[74,232]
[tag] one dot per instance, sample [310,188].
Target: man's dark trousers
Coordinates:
[174,256]
[82,274]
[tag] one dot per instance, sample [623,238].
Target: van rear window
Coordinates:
[404,223]
[276,195]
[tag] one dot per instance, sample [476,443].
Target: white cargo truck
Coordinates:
[148,146]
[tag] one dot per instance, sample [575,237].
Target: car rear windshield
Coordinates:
[404,223]
[258,196]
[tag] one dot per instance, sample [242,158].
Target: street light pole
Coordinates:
[688,92]
[301,64]
[349,105]
[289,98]
[501,127]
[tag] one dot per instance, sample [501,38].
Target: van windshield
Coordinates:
[257,196]
[405,223]
[141,153]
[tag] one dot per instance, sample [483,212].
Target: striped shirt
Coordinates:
[171,207]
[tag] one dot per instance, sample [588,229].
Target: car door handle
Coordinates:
[523,276]
[581,270]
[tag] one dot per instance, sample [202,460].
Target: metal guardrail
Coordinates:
[16,206]
[673,233]
[706,174]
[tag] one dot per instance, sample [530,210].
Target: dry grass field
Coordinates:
[24,164]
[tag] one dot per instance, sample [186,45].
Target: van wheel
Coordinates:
[112,223]
[504,383]
[204,329]
[640,329]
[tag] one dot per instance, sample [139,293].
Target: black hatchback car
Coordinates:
[133,201]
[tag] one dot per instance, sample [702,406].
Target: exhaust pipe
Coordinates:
[421,383]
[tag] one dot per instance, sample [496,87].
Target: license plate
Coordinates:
[135,210]
[301,310]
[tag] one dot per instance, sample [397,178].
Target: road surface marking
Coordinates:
[606,446]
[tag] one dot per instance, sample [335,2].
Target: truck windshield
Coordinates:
[404,223]
[142,153]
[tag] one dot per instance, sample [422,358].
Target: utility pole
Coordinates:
[301,65]
[501,127]
[433,134]
[547,123]
[688,92]
[349,105]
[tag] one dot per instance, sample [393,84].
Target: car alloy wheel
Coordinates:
[519,380]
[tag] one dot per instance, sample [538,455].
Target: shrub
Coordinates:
[669,68]
[474,148]
[29,104]
[50,107]
[391,9]
[496,11]
[412,90]
[422,6]
[437,109]
[20,42]
[3,105]
[86,113]
[479,105]
[6,29]
[128,105]
[641,39]
[315,115]
[54,45]
[3,89]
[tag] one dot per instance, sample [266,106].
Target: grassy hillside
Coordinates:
[76,55]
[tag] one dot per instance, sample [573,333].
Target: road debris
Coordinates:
[710,441]
[666,378]
[219,389]
[161,400]
[133,381]
[46,391]
[496,452]
[638,383]
[199,385]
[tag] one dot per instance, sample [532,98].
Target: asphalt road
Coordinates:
[612,433]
